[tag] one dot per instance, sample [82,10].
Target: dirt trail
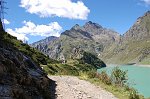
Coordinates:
[69,87]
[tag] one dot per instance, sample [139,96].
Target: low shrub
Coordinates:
[83,75]
[133,94]
[91,74]
[104,78]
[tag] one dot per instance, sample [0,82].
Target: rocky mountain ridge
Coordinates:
[43,44]
[140,30]
[91,37]
[132,47]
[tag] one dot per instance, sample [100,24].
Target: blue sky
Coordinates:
[33,20]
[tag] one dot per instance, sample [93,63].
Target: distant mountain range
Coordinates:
[110,46]
[42,45]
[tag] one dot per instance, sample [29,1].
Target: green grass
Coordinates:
[34,54]
[119,92]
[67,69]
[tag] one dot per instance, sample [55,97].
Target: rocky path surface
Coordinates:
[69,87]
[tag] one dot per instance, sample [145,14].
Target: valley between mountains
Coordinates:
[133,47]
[113,48]
[51,68]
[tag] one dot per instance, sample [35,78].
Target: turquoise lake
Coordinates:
[138,77]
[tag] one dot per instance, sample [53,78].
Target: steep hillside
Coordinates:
[91,38]
[20,75]
[140,30]
[134,46]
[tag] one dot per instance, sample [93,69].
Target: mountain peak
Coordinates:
[147,13]
[76,27]
[143,18]
[91,24]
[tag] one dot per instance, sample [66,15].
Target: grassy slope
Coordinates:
[34,54]
[16,72]
[119,92]
[130,53]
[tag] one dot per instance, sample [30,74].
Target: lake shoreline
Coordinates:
[138,76]
[139,65]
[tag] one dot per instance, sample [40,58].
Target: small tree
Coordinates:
[118,76]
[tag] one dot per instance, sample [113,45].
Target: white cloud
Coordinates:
[147,2]
[6,21]
[29,28]
[18,35]
[60,8]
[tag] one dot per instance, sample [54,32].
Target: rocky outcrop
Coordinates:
[20,77]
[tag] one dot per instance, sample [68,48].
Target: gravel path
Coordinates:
[69,87]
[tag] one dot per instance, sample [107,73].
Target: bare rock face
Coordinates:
[20,77]
[42,45]
[140,30]
[100,34]
[91,37]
